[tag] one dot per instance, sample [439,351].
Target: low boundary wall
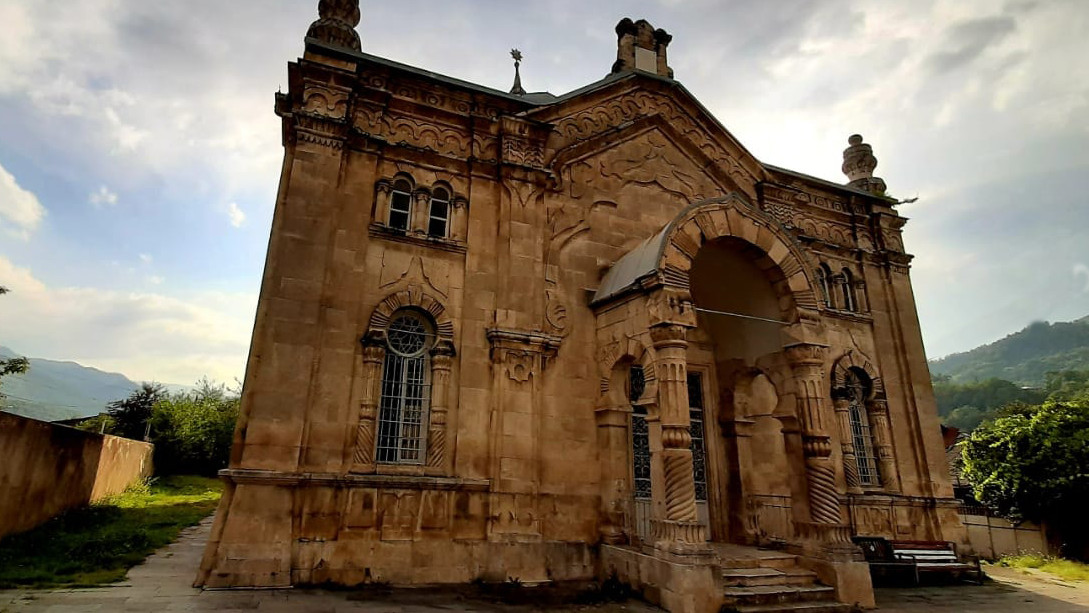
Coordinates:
[48,468]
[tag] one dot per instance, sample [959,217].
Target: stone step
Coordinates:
[746,577]
[767,560]
[777,595]
[797,607]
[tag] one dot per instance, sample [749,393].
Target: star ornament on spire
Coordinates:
[517,90]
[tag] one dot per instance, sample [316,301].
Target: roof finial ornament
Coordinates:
[336,24]
[517,89]
[859,164]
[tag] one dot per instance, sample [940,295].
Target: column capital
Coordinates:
[669,335]
[801,355]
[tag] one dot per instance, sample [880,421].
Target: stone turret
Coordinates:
[336,24]
[641,47]
[859,164]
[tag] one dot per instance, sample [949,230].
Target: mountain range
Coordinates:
[56,391]
[1024,357]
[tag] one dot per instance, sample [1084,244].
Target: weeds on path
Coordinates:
[98,544]
[1060,567]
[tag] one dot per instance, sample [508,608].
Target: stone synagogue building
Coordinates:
[545,338]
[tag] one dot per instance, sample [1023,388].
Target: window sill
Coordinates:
[411,238]
[848,315]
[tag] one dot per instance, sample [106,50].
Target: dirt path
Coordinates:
[162,584]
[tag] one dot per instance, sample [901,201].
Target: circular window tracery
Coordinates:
[407,334]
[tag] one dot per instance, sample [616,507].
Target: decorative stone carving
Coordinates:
[336,24]
[522,354]
[859,164]
[441,363]
[847,446]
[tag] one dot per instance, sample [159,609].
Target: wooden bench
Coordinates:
[917,557]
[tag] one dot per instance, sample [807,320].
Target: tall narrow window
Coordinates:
[824,277]
[858,389]
[406,390]
[699,452]
[400,205]
[849,291]
[439,219]
[640,435]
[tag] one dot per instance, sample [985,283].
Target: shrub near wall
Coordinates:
[48,469]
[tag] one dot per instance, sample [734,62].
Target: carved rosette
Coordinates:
[374,352]
[336,24]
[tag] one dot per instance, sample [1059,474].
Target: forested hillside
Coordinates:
[1023,357]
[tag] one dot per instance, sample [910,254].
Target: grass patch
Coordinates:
[1060,567]
[98,544]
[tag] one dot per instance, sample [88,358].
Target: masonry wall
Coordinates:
[48,469]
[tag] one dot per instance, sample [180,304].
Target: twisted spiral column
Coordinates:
[847,445]
[441,362]
[671,346]
[878,410]
[374,353]
[807,362]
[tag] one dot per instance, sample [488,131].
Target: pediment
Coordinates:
[598,120]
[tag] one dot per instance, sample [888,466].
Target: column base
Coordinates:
[681,538]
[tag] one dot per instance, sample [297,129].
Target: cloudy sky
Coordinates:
[139,153]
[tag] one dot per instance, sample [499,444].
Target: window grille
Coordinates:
[857,390]
[400,206]
[640,435]
[440,214]
[696,429]
[848,291]
[406,391]
[824,276]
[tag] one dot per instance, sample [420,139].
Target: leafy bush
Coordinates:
[192,431]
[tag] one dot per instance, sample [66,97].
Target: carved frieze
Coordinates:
[522,355]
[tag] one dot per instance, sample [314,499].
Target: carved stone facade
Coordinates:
[460,285]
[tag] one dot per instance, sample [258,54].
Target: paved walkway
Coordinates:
[162,584]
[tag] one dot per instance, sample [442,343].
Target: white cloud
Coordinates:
[236,215]
[145,258]
[20,210]
[146,336]
[156,280]
[103,197]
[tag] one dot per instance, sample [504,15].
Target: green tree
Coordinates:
[192,431]
[14,366]
[1032,463]
[131,416]
[966,418]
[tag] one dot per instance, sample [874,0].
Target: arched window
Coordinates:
[406,390]
[849,303]
[439,216]
[400,205]
[824,279]
[858,390]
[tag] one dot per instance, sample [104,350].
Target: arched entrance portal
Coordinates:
[723,302]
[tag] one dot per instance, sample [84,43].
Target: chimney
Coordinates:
[859,164]
[336,24]
[641,47]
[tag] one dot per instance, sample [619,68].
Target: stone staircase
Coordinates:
[762,581]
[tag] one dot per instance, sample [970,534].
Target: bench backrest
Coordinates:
[875,548]
[925,552]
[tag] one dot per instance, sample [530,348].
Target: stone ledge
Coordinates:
[445,244]
[412,482]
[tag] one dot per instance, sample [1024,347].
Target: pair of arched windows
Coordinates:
[437,209]
[838,291]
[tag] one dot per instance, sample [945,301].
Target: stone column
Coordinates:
[374,353]
[847,445]
[459,219]
[381,203]
[421,212]
[442,358]
[807,362]
[878,410]
[613,443]
[680,530]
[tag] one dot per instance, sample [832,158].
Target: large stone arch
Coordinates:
[412,297]
[666,259]
[857,360]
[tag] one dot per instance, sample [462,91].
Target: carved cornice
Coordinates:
[523,353]
[806,354]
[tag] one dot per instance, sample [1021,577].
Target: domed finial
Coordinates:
[859,164]
[517,90]
[336,24]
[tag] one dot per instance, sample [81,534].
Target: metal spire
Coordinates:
[517,89]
